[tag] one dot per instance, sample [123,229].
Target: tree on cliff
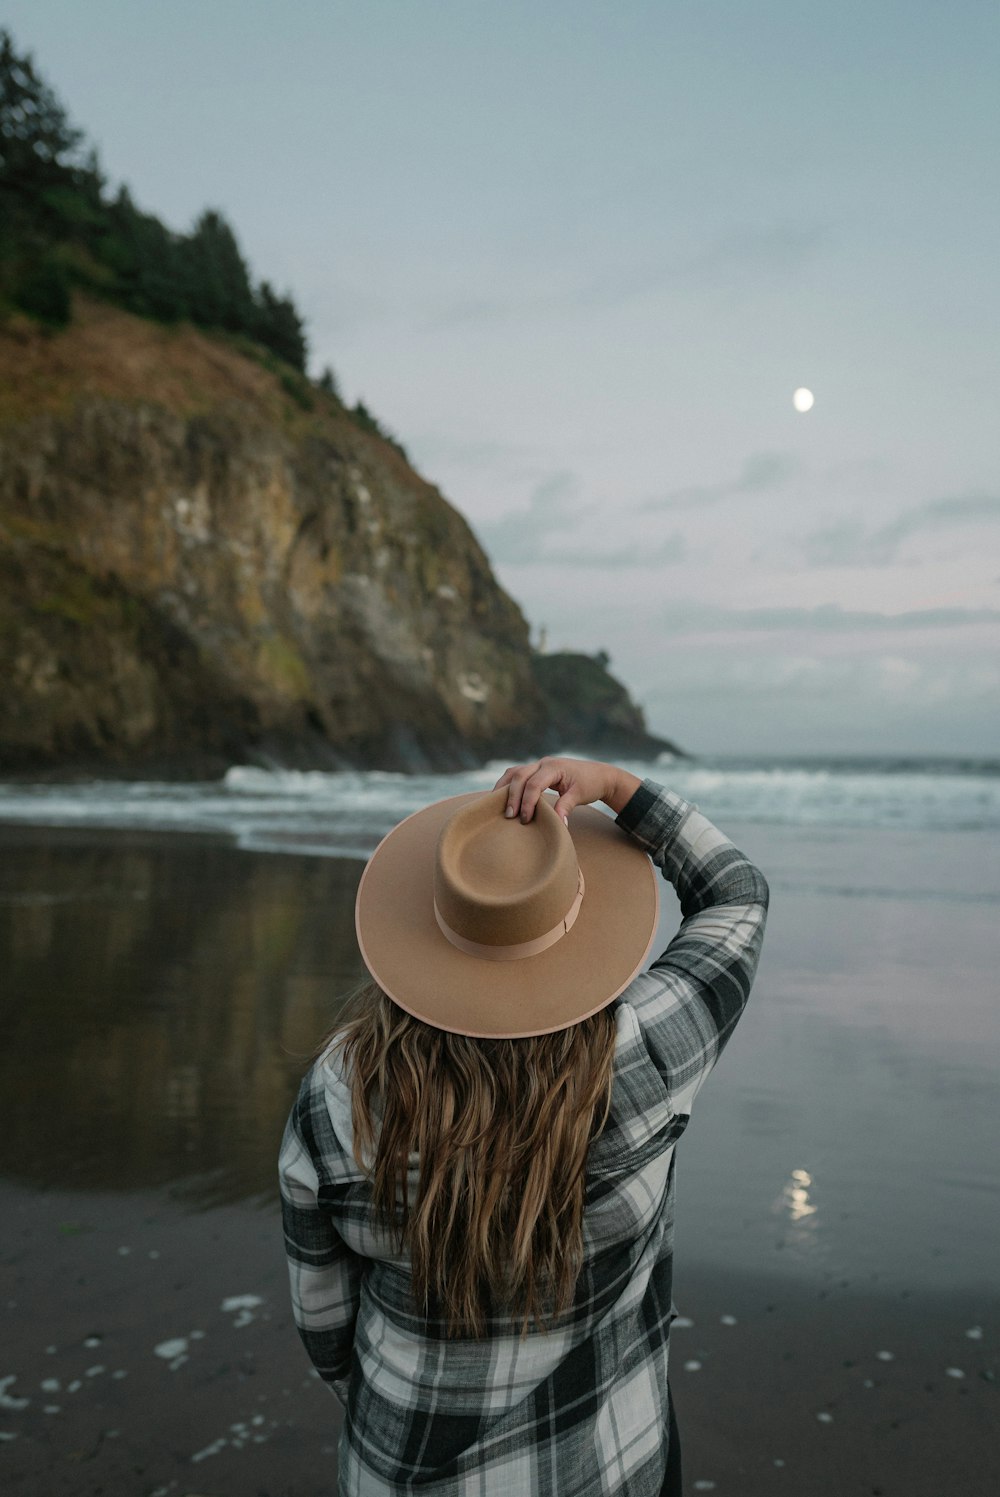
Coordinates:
[57,229]
[49,189]
[278,324]
[219,293]
[37,141]
[146,260]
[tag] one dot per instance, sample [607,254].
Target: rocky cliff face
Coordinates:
[590,712]
[202,562]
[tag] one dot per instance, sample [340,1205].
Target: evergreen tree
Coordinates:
[364,418]
[328,384]
[46,191]
[146,260]
[56,224]
[279,327]
[43,292]
[218,287]
[38,145]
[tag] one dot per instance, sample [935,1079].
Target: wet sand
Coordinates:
[139,1379]
[838,1187]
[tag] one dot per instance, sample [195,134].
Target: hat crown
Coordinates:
[499,881]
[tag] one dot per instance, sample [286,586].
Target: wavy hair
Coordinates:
[501,1130]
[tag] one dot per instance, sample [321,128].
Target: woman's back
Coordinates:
[575,1402]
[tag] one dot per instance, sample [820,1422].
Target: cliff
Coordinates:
[589,711]
[205,559]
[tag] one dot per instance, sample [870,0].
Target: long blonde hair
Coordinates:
[501,1130]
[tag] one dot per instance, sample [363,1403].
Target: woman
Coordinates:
[478,1174]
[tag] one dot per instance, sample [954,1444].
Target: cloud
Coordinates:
[666,552]
[479,309]
[519,537]
[546,532]
[721,679]
[761,472]
[510,459]
[848,687]
[746,253]
[850,543]
[827,618]
[743,255]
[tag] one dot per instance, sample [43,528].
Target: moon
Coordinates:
[803,400]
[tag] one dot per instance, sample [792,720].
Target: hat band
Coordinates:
[518,949]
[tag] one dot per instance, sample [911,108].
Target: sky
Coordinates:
[578,256]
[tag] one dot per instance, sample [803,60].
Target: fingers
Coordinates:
[526,783]
[514,778]
[522,791]
[578,781]
[547,772]
[570,797]
[517,780]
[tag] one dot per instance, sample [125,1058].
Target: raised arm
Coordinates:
[690,1000]
[688,1003]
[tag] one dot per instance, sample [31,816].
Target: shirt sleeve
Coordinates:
[324,1273]
[689,1001]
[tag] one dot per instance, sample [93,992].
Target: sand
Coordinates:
[156,1354]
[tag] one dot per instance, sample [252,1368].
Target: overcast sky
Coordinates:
[579,255]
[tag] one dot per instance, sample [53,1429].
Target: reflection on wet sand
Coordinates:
[161,997]
[796,1196]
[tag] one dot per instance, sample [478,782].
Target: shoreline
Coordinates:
[186,1313]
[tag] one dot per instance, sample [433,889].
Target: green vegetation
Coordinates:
[59,228]
[367,422]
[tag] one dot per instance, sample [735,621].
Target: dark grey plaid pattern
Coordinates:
[581,1409]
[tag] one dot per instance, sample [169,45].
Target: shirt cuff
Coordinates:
[339,1387]
[654,816]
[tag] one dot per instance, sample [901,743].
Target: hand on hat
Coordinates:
[578,781]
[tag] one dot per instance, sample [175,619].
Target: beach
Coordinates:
[838,1187]
[100,1281]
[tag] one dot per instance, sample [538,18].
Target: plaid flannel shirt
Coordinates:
[580,1409]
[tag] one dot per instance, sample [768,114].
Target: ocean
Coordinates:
[345,814]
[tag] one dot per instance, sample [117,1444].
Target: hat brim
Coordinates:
[420,970]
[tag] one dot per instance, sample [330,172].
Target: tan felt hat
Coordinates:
[487,926]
